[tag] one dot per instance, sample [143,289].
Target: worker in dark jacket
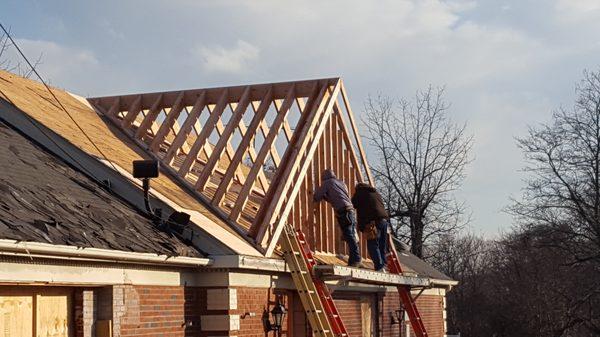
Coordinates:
[334,191]
[373,222]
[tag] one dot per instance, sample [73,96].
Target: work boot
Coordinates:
[382,270]
[356,265]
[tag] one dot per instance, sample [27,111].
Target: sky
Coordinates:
[505,64]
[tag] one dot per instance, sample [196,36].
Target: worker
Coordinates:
[334,191]
[372,222]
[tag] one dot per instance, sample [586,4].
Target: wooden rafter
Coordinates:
[242,149]
[186,128]
[224,157]
[214,159]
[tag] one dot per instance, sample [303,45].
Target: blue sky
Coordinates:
[505,64]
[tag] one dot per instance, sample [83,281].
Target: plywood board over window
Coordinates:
[36,311]
[366,305]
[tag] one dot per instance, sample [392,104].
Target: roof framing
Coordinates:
[255,151]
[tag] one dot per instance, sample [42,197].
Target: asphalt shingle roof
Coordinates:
[44,200]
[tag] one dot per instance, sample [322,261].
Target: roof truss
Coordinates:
[255,151]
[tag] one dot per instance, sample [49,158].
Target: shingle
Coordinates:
[44,200]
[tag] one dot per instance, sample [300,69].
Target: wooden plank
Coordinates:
[132,112]
[331,220]
[262,179]
[229,152]
[53,314]
[232,124]
[190,122]
[243,148]
[320,207]
[104,328]
[114,109]
[283,174]
[17,317]
[167,124]
[262,154]
[326,106]
[286,126]
[274,155]
[264,129]
[303,88]
[200,141]
[335,160]
[346,137]
[344,177]
[305,212]
[347,175]
[356,135]
[150,118]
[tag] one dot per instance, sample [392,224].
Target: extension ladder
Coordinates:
[407,301]
[316,298]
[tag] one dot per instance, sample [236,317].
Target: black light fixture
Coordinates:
[396,316]
[278,312]
[145,170]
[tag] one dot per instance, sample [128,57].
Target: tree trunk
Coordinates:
[416,222]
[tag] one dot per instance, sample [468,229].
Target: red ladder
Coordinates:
[407,301]
[316,299]
[337,326]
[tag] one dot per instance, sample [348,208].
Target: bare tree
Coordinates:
[466,259]
[422,159]
[563,191]
[560,206]
[8,64]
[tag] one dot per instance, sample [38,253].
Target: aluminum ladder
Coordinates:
[316,298]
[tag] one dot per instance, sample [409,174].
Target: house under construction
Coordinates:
[81,256]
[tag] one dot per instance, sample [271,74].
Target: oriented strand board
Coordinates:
[32,98]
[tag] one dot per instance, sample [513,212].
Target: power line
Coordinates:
[43,132]
[56,98]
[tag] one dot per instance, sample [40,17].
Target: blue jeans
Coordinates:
[347,222]
[378,247]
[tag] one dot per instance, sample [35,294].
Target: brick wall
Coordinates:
[388,304]
[84,311]
[350,308]
[160,311]
[258,302]
[153,311]
[431,308]
[148,311]
[78,312]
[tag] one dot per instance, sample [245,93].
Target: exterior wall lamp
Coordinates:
[278,312]
[396,316]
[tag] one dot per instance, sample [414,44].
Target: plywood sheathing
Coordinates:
[32,98]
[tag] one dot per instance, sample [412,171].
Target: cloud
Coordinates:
[505,64]
[59,64]
[233,60]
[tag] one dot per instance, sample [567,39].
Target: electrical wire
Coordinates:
[56,98]
[43,132]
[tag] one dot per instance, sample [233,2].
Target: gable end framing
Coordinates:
[256,152]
